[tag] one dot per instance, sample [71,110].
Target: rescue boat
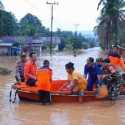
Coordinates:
[26,92]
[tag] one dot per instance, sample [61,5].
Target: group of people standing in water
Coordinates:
[96,73]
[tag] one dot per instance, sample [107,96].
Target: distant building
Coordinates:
[38,44]
[8,47]
[8,44]
[5,48]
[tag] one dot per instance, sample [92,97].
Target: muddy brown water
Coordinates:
[30,113]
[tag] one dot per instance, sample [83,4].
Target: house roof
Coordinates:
[6,44]
[55,40]
[30,40]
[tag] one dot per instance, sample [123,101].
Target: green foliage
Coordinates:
[74,41]
[30,25]
[8,25]
[122,34]
[112,14]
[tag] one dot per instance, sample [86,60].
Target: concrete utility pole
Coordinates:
[75,33]
[76,28]
[51,37]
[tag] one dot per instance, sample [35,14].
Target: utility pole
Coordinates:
[75,49]
[51,37]
[76,28]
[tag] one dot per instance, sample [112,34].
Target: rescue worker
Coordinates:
[44,93]
[116,59]
[112,78]
[30,70]
[92,73]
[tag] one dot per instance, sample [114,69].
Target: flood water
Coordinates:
[88,113]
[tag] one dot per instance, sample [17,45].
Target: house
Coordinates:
[8,48]
[11,45]
[5,48]
[38,44]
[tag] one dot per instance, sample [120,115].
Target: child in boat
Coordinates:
[100,63]
[20,68]
[77,83]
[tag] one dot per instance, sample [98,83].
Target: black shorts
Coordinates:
[31,82]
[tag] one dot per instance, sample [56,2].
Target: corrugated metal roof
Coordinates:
[6,44]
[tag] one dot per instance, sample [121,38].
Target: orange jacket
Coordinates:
[117,62]
[44,79]
[30,70]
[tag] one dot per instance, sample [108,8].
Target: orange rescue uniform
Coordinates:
[30,69]
[44,79]
[118,62]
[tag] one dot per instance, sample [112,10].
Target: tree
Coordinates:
[122,34]
[112,13]
[75,44]
[8,25]
[61,46]
[30,25]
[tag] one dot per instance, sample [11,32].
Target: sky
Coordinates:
[72,15]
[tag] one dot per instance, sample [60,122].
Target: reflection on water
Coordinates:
[27,113]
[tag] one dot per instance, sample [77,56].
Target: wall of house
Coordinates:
[4,51]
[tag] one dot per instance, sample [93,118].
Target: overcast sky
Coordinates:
[66,14]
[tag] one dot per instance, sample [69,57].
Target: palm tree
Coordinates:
[112,13]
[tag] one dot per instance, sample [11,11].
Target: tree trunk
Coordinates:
[108,36]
